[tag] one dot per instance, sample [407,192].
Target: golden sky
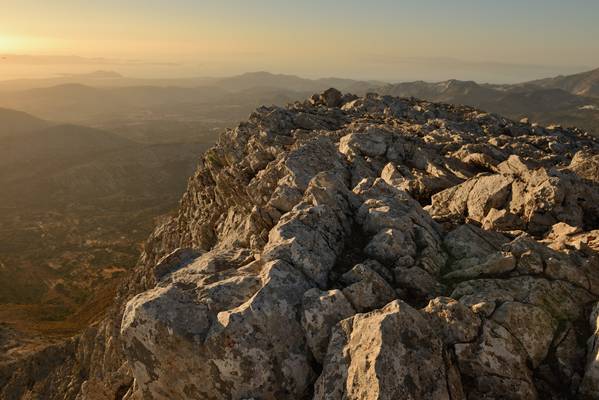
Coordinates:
[380,39]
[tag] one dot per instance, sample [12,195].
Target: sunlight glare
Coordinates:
[9,44]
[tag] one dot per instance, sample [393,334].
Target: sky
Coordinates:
[392,40]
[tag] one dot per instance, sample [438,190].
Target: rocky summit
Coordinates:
[358,248]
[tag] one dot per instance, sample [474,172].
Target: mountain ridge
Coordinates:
[16,122]
[442,242]
[584,83]
[228,100]
[544,104]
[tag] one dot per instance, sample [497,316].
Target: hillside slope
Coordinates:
[75,205]
[358,248]
[583,84]
[14,122]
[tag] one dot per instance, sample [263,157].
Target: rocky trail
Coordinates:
[358,248]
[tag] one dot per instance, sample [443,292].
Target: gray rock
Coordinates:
[496,264]
[496,365]
[531,326]
[321,311]
[468,241]
[366,290]
[590,382]
[371,145]
[332,97]
[387,354]
[418,282]
[238,334]
[456,322]
[389,245]
[474,198]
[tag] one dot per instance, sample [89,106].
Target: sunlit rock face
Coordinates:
[366,248]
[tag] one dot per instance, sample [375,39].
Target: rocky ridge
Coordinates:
[358,248]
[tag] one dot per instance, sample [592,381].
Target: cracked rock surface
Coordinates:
[359,248]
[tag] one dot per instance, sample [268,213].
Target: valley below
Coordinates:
[60,269]
[76,205]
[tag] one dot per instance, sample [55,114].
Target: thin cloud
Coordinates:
[27,59]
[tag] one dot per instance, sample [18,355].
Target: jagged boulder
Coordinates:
[590,383]
[366,289]
[321,311]
[495,365]
[390,353]
[456,322]
[238,332]
[522,198]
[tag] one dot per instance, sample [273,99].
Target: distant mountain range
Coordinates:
[100,97]
[565,100]
[17,122]
[107,99]
[583,84]
[234,83]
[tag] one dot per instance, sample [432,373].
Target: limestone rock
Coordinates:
[389,245]
[590,383]
[330,98]
[586,165]
[177,259]
[496,365]
[502,220]
[387,354]
[321,311]
[518,197]
[371,145]
[456,322]
[496,264]
[468,241]
[474,198]
[419,283]
[239,339]
[530,325]
[366,290]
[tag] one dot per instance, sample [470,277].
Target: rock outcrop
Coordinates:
[359,248]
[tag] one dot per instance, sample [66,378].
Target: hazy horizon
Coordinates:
[389,40]
[501,74]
